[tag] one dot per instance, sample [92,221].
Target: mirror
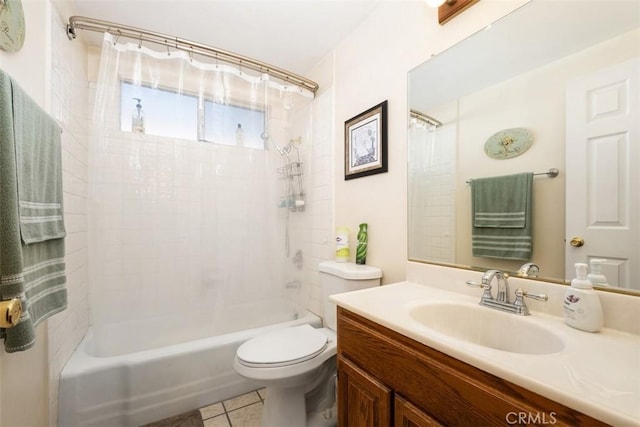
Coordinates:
[516,74]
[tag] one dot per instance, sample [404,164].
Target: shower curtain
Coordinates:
[184,216]
[431,192]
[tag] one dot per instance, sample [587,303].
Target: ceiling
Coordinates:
[290,34]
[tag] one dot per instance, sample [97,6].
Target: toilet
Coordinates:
[297,365]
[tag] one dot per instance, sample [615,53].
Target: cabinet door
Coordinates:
[363,401]
[408,415]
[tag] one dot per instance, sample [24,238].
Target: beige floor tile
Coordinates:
[212,410]
[219,421]
[249,416]
[263,393]
[240,401]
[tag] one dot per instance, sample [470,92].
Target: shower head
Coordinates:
[286,150]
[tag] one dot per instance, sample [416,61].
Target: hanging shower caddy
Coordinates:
[291,175]
[293,190]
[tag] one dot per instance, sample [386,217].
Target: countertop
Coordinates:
[596,373]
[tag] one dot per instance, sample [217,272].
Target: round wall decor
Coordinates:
[508,143]
[12,26]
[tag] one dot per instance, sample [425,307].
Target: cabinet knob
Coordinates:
[10,312]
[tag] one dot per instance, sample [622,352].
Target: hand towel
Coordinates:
[502,216]
[35,272]
[501,201]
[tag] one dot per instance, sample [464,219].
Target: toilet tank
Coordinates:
[339,277]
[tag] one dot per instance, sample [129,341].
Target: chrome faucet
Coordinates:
[529,270]
[501,302]
[502,294]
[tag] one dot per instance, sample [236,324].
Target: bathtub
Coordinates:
[133,373]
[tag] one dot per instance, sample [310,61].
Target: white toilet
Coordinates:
[297,365]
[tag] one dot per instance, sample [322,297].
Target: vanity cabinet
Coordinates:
[387,379]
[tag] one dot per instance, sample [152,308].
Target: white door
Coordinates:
[602,163]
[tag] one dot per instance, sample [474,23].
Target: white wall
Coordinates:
[371,66]
[52,71]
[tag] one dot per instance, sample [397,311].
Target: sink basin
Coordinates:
[487,327]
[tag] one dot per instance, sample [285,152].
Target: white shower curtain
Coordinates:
[184,218]
[431,192]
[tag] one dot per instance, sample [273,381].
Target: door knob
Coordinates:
[576,241]
[10,312]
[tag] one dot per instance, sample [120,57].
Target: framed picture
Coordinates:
[365,143]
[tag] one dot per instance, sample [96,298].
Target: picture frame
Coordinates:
[365,143]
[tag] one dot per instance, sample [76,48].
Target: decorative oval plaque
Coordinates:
[508,143]
[12,27]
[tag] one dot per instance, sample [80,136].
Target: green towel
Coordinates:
[34,273]
[38,157]
[502,216]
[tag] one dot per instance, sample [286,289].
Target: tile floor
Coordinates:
[241,411]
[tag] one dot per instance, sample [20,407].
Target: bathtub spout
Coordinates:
[294,284]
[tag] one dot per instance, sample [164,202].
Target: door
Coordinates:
[408,415]
[363,401]
[602,163]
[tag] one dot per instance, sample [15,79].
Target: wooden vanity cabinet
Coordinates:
[386,379]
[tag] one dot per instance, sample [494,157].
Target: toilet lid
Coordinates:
[282,347]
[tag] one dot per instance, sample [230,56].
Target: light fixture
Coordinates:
[438,3]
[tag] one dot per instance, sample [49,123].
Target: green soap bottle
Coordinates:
[361,251]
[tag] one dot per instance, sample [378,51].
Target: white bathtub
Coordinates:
[130,374]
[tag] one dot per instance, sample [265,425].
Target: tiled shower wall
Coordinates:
[69,91]
[320,209]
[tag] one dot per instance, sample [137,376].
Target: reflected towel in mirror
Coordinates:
[501,209]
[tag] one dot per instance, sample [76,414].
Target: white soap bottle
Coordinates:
[582,309]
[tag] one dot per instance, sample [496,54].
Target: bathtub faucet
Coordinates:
[294,284]
[298,259]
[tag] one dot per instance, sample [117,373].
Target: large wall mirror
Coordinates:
[567,73]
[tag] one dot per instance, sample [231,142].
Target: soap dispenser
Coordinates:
[239,136]
[582,309]
[137,118]
[595,276]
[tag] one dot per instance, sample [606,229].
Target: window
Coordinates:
[174,115]
[166,113]
[233,125]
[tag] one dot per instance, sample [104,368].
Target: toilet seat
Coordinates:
[283,347]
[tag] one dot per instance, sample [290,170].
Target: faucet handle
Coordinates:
[539,297]
[478,284]
[486,295]
[519,304]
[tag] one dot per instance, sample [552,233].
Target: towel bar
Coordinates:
[551,173]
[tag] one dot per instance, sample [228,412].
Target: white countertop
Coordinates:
[596,373]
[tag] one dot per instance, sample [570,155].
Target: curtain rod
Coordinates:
[425,118]
[119,30]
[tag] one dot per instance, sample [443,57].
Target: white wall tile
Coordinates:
[69,108]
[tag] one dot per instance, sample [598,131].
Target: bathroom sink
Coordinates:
[486,327]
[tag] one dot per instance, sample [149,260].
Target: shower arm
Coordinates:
[119,30]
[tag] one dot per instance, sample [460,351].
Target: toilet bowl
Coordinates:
[297,364]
